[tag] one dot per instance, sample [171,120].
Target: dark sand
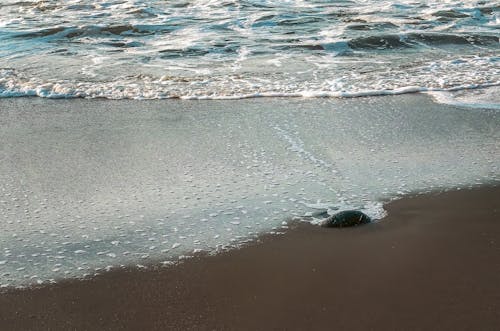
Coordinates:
[433,264]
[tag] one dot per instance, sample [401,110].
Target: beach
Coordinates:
[122,230]
[432,263]
[88,186]
[170,165]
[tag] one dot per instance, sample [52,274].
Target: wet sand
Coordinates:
[433,263]
[87,183]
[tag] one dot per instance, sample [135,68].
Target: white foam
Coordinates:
[151,91]
[488,98]
[206,51]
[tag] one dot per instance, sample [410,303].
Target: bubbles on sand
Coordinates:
[82,192]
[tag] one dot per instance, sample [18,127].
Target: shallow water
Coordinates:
[233,49]
[90,185]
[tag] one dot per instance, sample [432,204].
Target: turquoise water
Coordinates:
[232,49]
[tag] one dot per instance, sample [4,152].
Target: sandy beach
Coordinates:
[166,165]
[87,184]
[432,264]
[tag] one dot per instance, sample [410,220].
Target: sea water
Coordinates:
[93,185]
[232,49]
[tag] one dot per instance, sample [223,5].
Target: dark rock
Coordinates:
[346,218]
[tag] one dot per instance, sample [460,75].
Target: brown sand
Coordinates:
[433,264]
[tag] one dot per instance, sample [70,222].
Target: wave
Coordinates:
[365,43]
[57,91]
[411,40]
[71,32]
[239,49]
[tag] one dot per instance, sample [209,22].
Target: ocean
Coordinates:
[274,111]
[236,49]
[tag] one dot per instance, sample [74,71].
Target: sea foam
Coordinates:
[209,50]
[87,186]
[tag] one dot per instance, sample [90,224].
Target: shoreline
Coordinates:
[109,183]
[290,224]
[438,95]
[154,265]
[431,261]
